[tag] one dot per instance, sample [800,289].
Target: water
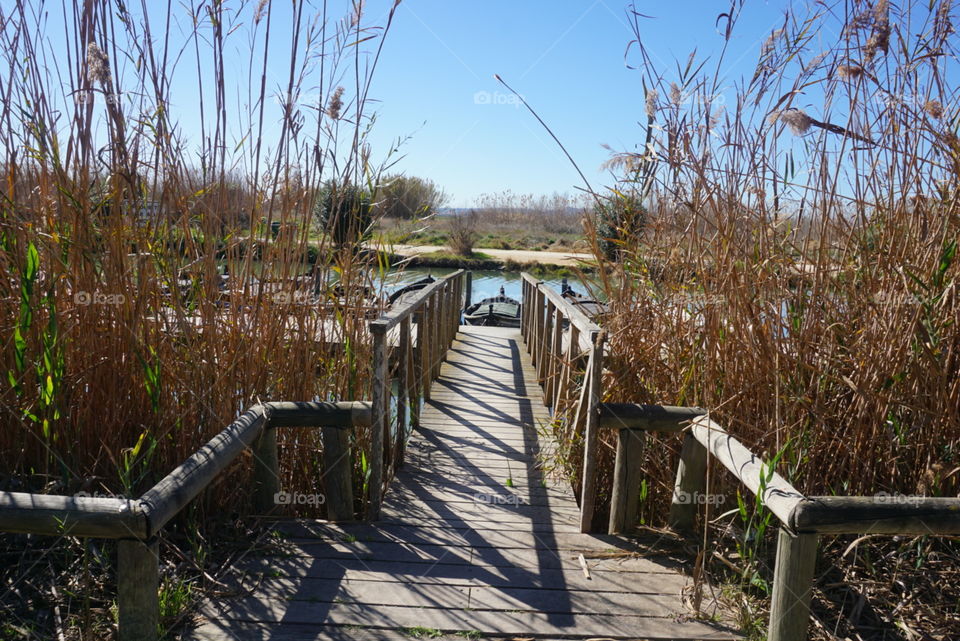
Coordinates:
[486,283]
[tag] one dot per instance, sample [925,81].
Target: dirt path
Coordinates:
[517,255]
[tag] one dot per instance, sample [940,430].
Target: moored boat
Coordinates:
[498,311]
[398,296]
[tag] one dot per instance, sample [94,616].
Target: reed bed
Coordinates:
[160,248]
[798,272]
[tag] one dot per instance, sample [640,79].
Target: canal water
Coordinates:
[486,283]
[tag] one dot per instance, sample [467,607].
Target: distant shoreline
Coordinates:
[496,256]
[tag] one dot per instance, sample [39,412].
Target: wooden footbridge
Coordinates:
[460,533]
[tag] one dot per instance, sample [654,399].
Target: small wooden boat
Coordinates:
[499,311]
[397,297]
[591,308]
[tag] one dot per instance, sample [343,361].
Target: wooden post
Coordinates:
[690,485]
[546,341]
[468,287]
[537,327]
[423,345]
[266,479]
[380,416]
[588,494]
[524,308]
[625,501]
[556,368]
[436,317]
[138,582]
[338,473]
[403,391]
[792,585]
[416,356]
[573,351]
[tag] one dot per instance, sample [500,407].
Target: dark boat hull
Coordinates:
[493,312]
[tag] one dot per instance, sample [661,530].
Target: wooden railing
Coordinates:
[135,523]
[559,360]
[803,519]
[435,311]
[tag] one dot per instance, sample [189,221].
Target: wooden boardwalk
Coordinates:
[473,541]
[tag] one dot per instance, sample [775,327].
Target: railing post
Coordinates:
[468,293]
[526,307]
[423,343]
[546,342]
[266,479]
[594,392]
[338,473]
[537,326]
[138,583]
[379,413]
[403,391]
[417,373]
[690,485]
[573,352]
[624,502]
[556,365]
[792,586]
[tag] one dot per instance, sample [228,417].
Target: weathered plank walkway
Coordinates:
[473,540]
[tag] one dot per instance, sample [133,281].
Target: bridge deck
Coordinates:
[473,542]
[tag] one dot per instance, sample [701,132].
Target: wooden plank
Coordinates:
[487,622]
[426,595]
[640,576]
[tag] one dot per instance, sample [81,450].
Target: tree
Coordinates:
[620,220]
[409,197]
[345,213]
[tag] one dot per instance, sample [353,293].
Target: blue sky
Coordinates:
[435,82]
[568,61]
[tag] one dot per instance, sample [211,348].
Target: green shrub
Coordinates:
[344,212]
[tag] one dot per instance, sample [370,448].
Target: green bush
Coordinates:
[344,212]
[620,218]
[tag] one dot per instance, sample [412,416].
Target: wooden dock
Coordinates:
[473,540]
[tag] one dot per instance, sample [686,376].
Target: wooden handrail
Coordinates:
[436,310]
[391,318]
[542,326]
[803,518]
[135,522]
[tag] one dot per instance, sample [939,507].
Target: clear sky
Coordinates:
[567,58]
[435,82]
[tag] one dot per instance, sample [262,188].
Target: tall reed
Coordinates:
[146,150]
[798,271]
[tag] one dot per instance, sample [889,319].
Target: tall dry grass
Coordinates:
[799,272]
[145,149]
